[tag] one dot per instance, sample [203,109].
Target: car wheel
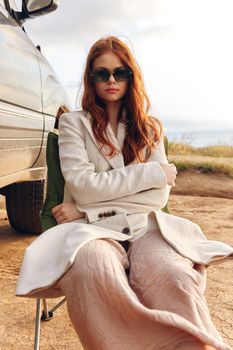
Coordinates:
[23,204]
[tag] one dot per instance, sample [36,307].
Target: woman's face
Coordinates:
[110,90]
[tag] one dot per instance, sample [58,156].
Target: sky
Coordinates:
[183,47]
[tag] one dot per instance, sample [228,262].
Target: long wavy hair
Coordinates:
[142,131]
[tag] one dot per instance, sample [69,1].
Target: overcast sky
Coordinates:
[184,48]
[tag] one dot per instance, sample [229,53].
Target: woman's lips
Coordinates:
[111,91]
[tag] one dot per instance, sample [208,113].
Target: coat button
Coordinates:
[109,214]
[100,215]
[126,231]
[113,213]
[105,215]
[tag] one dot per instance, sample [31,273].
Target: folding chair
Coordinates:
[54,196]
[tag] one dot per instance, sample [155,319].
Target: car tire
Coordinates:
[23,204]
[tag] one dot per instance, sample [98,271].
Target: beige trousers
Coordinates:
[158,305]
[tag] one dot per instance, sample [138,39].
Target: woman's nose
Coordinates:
[111,79]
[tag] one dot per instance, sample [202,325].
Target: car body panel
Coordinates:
[19,67]
[19,144]
[30,98]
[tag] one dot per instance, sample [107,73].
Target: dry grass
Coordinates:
[209,151]
[211,159]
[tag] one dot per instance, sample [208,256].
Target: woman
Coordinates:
[134,277]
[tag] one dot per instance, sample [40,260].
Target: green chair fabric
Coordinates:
[55,182]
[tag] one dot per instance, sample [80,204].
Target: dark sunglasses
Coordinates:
[103,75]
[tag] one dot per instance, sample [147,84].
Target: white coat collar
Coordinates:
[116,161]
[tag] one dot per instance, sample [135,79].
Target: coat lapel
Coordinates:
[117,161]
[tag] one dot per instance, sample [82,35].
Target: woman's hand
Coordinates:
[66,212]
[170,172]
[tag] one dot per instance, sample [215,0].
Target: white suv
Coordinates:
[31,100]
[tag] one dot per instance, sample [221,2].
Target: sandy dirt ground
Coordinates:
[205,199]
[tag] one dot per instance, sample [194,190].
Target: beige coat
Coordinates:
[116,200]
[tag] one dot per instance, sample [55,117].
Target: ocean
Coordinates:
[200,133]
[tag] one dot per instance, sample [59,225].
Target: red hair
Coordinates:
[142,131]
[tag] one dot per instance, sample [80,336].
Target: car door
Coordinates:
[21,118]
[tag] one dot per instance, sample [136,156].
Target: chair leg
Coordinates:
[37,326]
[57,305]
[46,314]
